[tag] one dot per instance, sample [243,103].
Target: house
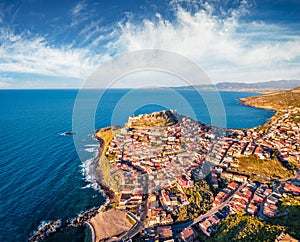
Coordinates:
[272,200]
[268,191]
[164,233]
[165,199]
[154,217]
[152,197]
[174,201]
[188,235]
[166,219]
[182,198]
[257,199]
[252,209]
[268,212]
[285,238]
[239,178]
[233,185]
[204,226]
[226,175]
[292,188]
[125,197]
[184,182]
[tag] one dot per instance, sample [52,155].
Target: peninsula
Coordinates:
[157,165]
[171,178]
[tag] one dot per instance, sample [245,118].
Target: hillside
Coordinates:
[270,85]
[280,100]
[241,227]
[267,168]
[240,86]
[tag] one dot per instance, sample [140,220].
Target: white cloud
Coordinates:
[227,48]
[79,13]
[4,85]
[1,16]
[218,42]
[26,54]
[77,9]
[5,82]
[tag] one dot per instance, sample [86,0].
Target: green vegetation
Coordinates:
[112,205]
[200,198]
[106,135]
[296,117]
[269,168]
[130,219]
[105,168]
[290,215]
[276,100]
[242,227]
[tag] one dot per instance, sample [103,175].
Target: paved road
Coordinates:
[215,209]
[139,226]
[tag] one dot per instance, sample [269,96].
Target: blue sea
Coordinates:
[43,174]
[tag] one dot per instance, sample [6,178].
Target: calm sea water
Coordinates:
[41,175]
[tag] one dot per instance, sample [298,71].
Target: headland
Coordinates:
[169,177]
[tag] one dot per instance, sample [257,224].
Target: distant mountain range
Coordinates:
[239,86]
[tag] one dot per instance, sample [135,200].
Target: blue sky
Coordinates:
[58,44]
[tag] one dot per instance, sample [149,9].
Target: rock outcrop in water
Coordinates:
[51,227]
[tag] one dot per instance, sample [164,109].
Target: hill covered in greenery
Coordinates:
[280,100]
[242,227]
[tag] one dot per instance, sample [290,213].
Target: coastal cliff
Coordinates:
[105,136]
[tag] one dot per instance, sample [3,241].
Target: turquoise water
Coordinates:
[41,175]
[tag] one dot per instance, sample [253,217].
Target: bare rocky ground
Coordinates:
[110,223]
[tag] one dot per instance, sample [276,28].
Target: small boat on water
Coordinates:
[68,133]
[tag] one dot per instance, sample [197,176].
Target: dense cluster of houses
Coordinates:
[161,203]
[167,154]
[256,199]
[175,155]
[284,135]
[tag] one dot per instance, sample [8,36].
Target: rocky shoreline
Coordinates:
[51,227]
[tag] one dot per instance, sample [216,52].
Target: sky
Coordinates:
[59,44]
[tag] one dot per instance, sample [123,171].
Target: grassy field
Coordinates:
[241,227]
[106,134]
[105,168]
[270,168]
